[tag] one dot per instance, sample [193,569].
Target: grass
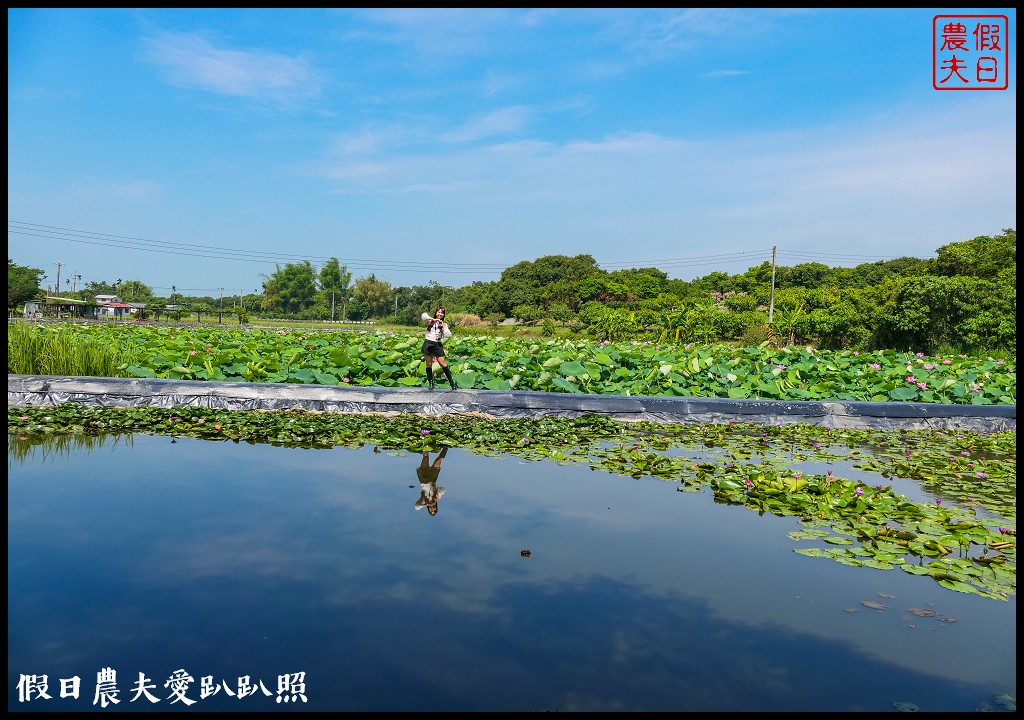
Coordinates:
[59,349]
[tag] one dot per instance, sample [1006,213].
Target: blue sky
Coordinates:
[202,148]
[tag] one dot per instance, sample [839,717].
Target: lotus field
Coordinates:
[390,359]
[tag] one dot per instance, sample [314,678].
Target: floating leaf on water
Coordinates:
[887,595]
[873,604]
[905,707]
[1006,701]
[851,610]
[921,612]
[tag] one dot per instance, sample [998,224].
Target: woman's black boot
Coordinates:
[451,380]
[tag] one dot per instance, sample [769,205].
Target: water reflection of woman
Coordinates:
[427,473]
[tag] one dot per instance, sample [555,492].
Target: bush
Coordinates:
[754,335]
[466,320]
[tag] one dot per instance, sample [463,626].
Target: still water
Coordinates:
[321,580]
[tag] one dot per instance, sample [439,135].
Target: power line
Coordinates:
[185,249]
[836,258]
[50,232]
[189,250]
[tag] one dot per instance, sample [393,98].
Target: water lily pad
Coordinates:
[905,707]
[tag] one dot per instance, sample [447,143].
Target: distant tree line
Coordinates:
[965,299]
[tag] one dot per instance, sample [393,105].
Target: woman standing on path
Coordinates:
[433,347]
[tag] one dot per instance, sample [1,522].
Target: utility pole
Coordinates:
[771,302]
[58,277]
[332,306]
[76,277]
[220,313]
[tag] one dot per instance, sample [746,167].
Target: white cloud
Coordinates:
[189,60]
[499,122]
[138,191]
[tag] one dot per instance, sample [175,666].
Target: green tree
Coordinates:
[99,287]
[640,283]
[808,275]
[787,320]
[335,282]
[135,291]
[601,288]
[702,322]
[545,281]
[968,313]
[22,283]
[375,294]
[292,288]
[983,256]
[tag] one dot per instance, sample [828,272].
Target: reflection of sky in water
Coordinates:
[231,559]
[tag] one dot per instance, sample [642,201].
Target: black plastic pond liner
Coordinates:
[42,390]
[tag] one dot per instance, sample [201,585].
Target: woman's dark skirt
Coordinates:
[433,348]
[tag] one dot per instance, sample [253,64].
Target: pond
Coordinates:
[242,577]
